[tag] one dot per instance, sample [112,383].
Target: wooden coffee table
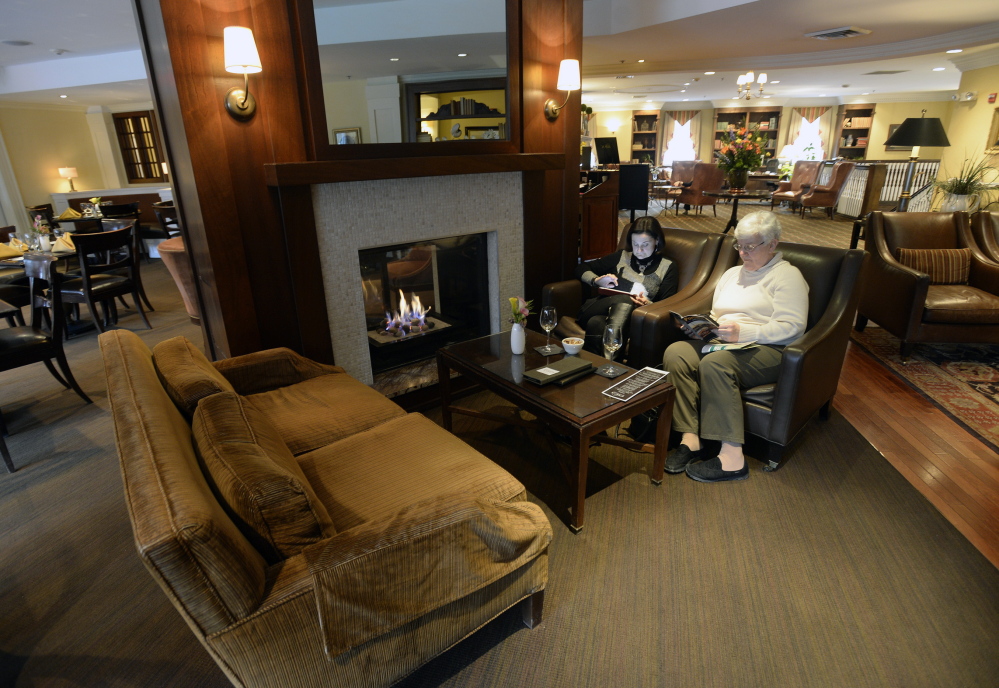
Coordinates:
[578,411]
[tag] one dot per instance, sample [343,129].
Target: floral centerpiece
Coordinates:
[40,225]
[519,309]
[741,152]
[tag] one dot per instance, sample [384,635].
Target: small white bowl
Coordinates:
[572,345]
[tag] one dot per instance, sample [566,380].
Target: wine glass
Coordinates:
[613,341]
[549,318]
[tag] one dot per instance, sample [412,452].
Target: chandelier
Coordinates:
[744,85]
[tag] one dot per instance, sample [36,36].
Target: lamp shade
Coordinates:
[568,76]
[67,172]
[919,131]
[241,55]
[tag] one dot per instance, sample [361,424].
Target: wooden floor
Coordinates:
[954,470]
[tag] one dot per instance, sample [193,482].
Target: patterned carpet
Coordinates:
[960,379]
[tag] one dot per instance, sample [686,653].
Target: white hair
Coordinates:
[760,223]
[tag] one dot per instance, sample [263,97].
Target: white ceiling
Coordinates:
[678,39]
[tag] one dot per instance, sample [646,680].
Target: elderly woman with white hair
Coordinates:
[765,300]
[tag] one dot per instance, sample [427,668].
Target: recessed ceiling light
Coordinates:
[822,95]
[939,69]
[462,54]
[735,97]
[16,44]
[641,60]
[686,99]
[683,90]
[686,83]
[766,96]
[866,93]
[64,96]
[775,81]
[709,73]
[393,59]
[955,50]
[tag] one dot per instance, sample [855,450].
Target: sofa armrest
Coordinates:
[567,296]
[262,371]
[376,577]
[984,274]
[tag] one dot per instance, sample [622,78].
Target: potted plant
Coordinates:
[741,153]
[964,192]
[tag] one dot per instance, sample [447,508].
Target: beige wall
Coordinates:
[886,114]
[970,121]
[347,106]
[39,141]
[599,127]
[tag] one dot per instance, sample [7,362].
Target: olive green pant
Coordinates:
[708,386]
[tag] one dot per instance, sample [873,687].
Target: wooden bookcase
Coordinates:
[767,119]
[853,135]
[428,104]
[645,136]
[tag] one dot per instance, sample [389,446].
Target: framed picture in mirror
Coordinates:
[347,135]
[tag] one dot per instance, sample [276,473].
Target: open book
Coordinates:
[697,326]
[625,287]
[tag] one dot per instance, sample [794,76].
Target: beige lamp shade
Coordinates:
[68,172]
[568,76]
[241,55]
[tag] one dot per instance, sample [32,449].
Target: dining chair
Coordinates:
[115,216]
[45,212]
[109,268]
[23,345]
[166,215]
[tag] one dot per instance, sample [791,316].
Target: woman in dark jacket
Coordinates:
[644,265]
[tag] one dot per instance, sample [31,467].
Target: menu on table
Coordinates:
[635,384]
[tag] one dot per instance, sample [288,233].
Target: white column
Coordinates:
[384,110]
[12,210]
[102,131]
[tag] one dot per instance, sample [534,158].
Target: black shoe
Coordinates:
[710,471]
[678,459]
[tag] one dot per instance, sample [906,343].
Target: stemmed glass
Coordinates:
[549,318]
[612,342]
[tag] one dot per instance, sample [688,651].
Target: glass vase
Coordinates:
[737,179]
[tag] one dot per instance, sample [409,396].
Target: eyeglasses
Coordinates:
[748,249]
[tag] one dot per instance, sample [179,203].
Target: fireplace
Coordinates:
[423,295]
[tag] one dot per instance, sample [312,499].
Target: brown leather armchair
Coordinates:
[985,230]
[827,195]
[707,177]
[802,178]
[905,302]
[809,375]
[693,252]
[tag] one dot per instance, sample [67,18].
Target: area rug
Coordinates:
[960,379]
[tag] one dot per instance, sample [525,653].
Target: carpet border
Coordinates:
[975,433]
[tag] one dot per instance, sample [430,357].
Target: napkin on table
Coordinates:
[69,214]
[64,243]
[8,252]
[17,244]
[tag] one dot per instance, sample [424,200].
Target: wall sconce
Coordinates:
[612,125]
[68,173]
[568,81]
[241,57]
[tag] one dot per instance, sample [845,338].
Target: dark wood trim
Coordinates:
[413,90]
[332,171]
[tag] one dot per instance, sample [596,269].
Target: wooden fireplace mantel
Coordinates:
[335,171]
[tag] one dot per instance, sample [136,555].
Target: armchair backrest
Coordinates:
[683,171]
[916,230]
[985,231]
[821,267]
[707,177]
[804,172]
[840,173]
[693,252]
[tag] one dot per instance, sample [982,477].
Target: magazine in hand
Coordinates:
[698,326]
[625,287]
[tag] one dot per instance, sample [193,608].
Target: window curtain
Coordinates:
[825,116]
[669,122]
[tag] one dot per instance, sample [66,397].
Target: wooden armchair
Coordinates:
[707,177]
[810,368]
[827,195]
[985,231]
[923,287]
[802,177]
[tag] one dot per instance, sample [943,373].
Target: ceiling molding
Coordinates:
[979,60]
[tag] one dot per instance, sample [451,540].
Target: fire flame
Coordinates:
[411,316]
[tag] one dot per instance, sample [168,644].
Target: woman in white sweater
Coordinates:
[765,300]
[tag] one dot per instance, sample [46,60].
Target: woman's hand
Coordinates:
[640,300]
[609,280]
[728,331]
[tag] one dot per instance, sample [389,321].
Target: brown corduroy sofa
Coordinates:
[309,531]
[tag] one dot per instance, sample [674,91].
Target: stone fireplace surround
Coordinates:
[364,214]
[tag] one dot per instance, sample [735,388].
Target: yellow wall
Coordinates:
[886,114]
[493,98]
[970,121]
[599,128]
[347,106]
[39,141]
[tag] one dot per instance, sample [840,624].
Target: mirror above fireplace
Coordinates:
[410,77]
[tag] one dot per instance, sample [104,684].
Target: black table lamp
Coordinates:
[916,132]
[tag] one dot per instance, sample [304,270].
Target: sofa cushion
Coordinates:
[373,474]
[960,304]
[187,374]
[256,476]
[313,413]
[943,265]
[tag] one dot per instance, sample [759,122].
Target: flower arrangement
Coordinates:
[40,225]
[741,149]
[96,200]
[520,309]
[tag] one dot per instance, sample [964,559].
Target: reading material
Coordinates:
[698,326]
[625,287]
[635,384]
[567,366]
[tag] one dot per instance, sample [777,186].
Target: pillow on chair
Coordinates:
[257,478]
[187,374]
[943,265]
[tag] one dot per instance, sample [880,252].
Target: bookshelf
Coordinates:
[854,131]
[767,119]
[645,136]
[478,105]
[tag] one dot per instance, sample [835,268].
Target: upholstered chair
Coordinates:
[985,230]
[810,368]
[693,252]
[827,195]
[929,282]
[802,178]
[707,177]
